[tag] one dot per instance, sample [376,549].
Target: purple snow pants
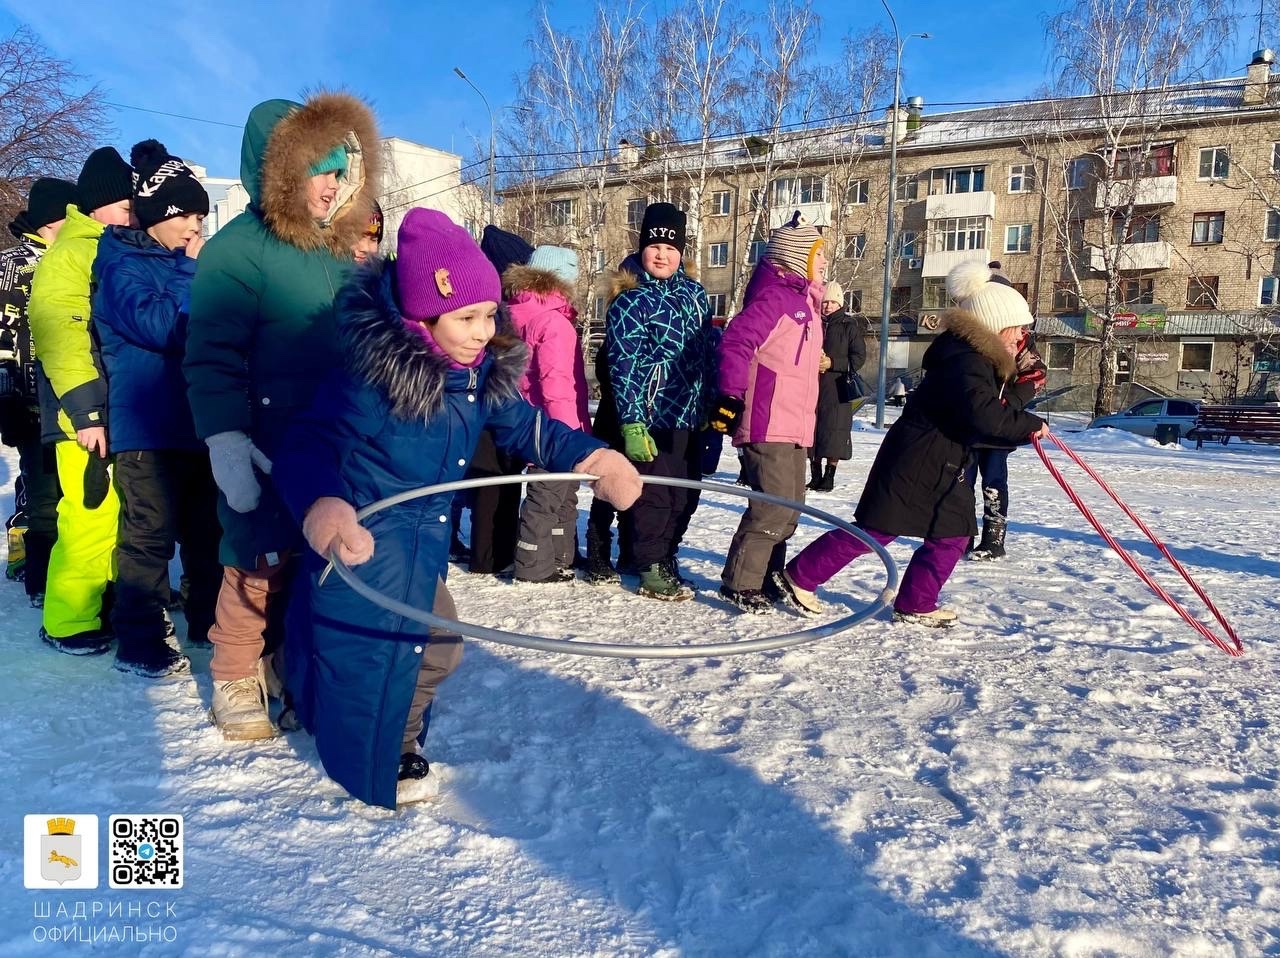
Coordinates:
[927,572]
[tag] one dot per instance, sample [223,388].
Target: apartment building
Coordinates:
[1170,199]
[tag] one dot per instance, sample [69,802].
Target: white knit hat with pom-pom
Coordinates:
[996,305]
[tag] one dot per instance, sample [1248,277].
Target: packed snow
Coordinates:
[1072,771]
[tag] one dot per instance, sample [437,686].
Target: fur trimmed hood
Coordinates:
[385,352]
[282,140]
[630,274]
[966,326]
[526,279]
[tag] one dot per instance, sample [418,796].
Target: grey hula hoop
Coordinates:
[608,649]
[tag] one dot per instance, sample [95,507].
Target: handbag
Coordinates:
[850,387]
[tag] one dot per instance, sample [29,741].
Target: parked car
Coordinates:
[1143,417]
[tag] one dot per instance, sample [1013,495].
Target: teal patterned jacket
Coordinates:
[661,351]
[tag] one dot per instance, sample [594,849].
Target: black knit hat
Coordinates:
[48,201]
[663,223]
[166,186]
[105,179]
[504,249]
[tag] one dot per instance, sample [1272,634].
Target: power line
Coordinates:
[176,116]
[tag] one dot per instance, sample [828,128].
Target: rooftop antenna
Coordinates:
[1261,13]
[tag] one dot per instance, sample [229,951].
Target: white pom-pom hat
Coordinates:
[996,305]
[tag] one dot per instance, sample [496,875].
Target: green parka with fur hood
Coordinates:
[262,329]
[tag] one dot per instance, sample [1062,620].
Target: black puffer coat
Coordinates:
[917,484]
[844,340]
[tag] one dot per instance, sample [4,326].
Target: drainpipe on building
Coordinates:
[1035,309]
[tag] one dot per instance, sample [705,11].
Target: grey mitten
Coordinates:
[232,455]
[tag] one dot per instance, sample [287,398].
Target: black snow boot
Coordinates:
[827,482]
[992,544]
[600,570]
[815,473]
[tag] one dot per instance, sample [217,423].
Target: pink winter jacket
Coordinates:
[769,357]
[542,315]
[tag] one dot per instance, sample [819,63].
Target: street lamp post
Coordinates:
[492,140]
[898,42]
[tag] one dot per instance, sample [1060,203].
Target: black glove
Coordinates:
[725,414]
[97,481]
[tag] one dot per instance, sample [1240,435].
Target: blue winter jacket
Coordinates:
[401,417]
[140,317]
[660,347]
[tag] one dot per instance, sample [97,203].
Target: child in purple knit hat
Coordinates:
[425,374]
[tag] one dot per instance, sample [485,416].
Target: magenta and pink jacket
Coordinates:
[769,357]
[544,317]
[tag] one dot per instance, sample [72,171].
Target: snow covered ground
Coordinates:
[1072,771]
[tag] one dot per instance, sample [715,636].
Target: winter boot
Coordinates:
[992,544]
[656,582]
[240,708]
[753,601]
[673,570]
[415,783]
[93,642]
[828,481]
[937,619]
[153,659]
[600,570]
[802,600]
[815,474]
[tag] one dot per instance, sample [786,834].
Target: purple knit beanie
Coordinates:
[439,267]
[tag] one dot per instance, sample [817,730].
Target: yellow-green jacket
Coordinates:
[69,377]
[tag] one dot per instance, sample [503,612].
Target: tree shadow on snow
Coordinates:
[701,853]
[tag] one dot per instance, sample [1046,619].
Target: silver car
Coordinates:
[1143,417]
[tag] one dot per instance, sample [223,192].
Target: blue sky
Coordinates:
[215,60]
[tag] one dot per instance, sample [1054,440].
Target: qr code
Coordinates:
[146,851]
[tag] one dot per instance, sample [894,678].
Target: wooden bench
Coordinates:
[1243,422]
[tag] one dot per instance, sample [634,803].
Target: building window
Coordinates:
[719,254]
[1142,229]
[1078,173]
[858,193]
[720,203]
[1061,356]
[855,246]
[719,303]
[900,300]
[1215,163]
[1275,158]
[756,251]
[599,261]
[635,212]
[1269,292]
[1202,292]
[794,190]
[1196,357]
[1022,178]
[1065,297]
[934,295]
[907,188]
[1138,292]
[907,244]
[1206,228]
[1023,290]
[1272,234]
[964,179]
[853,301]
[966,232]
[562,212]
[601,308]
[1132,164]
[1017,239]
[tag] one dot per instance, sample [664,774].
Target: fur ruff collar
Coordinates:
[385,352]
[525,279]
[966,326]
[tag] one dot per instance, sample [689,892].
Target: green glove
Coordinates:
[639,444]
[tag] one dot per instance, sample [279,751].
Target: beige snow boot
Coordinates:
[240,708]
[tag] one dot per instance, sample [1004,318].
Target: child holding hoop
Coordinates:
[426,373]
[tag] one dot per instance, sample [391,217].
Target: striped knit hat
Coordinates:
[794,245]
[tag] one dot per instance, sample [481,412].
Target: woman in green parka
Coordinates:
[261,339]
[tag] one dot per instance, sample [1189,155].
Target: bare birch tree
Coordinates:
[1122,61]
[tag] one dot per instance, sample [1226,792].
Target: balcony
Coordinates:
[1133,257]
[1147,191]
[945,206]
[940,263]
[815,214]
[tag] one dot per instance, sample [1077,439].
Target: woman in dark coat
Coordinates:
[845,350]
[918,486]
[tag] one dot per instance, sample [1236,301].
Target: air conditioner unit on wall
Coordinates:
[915,263]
